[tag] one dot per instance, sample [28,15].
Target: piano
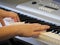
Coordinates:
[39,11]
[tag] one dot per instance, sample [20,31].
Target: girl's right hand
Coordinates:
[28,30]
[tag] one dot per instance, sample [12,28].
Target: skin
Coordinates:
[25,30]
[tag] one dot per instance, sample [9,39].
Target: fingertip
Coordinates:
[44,27]
[47,27]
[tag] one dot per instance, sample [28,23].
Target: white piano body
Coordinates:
[46,10]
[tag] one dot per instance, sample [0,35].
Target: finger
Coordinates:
[37,30]
[18,19]
[15,19]
[36,34]
[2,22]
[36,24]
[44,27]
[3,13]
[41,28]
[14,16]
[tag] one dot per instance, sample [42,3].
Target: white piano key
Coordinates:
[59,33]
[52,31]
[56,32]
[50,37]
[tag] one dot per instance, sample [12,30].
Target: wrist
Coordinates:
[11,30]
[15,30]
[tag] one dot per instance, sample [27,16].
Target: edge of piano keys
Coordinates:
[49,38]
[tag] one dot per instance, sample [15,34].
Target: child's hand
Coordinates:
[28,30]
[4,14]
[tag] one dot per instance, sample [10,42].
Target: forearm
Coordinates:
[7,32]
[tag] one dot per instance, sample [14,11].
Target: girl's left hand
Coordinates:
[4,14]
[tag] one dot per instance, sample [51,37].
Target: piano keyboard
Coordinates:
[51,36]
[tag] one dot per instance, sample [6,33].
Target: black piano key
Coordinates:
[53,31]
[57,32]
[56,29]
[51,28]
[34,2]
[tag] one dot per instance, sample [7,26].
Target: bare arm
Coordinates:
[7,32]
[26,30]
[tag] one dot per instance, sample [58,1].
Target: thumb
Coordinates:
[1,21]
